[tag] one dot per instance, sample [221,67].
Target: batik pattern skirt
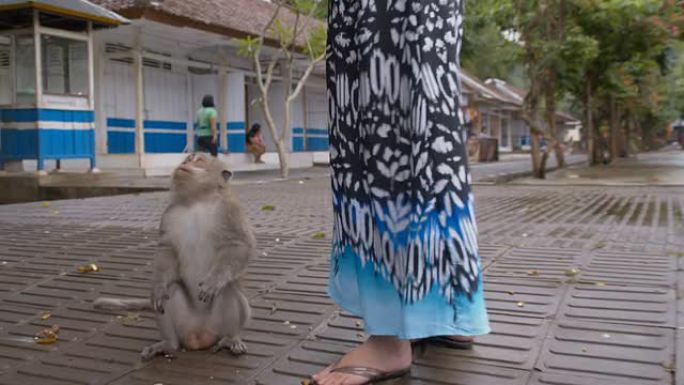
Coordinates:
[405,254]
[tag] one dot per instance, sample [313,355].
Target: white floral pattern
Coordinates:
[400,179]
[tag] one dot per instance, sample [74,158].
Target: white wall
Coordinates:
[165,97]
[317,108]
[118,90]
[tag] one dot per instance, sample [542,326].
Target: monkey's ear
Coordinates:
[226,175]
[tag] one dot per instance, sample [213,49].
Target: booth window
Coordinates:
[25,69]
[65,66]
[5,76]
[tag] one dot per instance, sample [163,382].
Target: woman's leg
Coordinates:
[382,353]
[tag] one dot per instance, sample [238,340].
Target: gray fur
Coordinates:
[206,243]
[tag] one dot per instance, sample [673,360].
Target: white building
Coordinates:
[136,84]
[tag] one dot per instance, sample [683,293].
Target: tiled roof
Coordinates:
[233,17]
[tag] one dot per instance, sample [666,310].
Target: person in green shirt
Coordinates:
[206,126]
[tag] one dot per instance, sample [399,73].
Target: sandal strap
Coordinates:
[359,371]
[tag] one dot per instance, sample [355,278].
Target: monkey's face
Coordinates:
[200,172]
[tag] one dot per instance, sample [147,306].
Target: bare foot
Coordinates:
[386,354]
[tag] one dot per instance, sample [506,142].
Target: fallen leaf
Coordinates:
[274,308]
[88,268]
[511,292]
[45,204]
[599,245]
[47,336]
[306,382]
[131,318]
[571,272]
[318,235]
[268,208]
[45,316]
[533,273]
[358,324]
[600,284]
[584,350]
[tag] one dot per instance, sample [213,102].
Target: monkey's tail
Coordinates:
[122,303]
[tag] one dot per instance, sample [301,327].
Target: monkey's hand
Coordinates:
[160,294]
[211,287]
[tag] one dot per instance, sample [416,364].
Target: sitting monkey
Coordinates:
[205,245]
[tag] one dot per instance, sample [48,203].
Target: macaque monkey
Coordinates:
[205,245]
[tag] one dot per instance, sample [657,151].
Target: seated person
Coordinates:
[255,143]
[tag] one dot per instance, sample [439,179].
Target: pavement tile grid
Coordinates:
[577,294]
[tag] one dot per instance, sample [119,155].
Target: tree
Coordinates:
[622,82]
[293,43]
[540,25]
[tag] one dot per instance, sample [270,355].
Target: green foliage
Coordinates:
[247,46]
[620,50]
[486,53]
[302,35]
[316,43]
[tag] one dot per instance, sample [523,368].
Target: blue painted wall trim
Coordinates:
[316,139]
[123,142]
[25,115]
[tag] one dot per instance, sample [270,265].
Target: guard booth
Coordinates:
[46,79]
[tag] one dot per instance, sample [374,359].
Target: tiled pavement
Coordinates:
[581,283]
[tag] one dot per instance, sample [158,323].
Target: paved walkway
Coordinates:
[582,284]
[662,168]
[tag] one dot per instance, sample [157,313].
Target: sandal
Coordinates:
[374,376]
[451,343]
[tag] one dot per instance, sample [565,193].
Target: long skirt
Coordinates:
[405,254]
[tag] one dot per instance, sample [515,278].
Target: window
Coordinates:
[65,66]
[25,69]
[5,76]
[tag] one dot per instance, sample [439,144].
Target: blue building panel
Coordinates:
[236,137]
[164,142]
[120,142]
[18,144]
[317,144]
[298,144]
[66,144]
[44,133]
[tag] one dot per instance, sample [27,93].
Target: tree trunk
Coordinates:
[550,98]
[282,157]
[537,169]
[613,129]
[589,124]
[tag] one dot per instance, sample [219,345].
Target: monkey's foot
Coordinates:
[161,347]
[234,344]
